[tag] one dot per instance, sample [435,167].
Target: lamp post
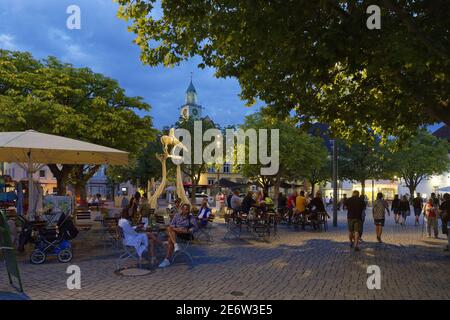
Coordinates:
[335,184]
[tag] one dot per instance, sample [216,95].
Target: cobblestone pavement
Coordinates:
[296,265]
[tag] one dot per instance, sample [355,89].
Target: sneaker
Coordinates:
[176,247]
[164,264]
[428,236]
[379,240]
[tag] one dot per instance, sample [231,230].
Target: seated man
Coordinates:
[183,225]
[203,214]
[300,204]
[235,201]
[175,209]
[135,239]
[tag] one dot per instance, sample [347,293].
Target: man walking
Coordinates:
[444,210]
[355,207]
[418,206]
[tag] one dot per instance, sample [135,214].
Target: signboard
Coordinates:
[59,204]
[8,251]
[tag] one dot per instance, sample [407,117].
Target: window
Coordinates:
[226,168]
[41,173]
[211,169]
[13,174]
[211,181]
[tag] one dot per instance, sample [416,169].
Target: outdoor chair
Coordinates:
[234,225]
[323,221]
[184,249]
[110,235]
[83,219]
[205,232]
[126,252]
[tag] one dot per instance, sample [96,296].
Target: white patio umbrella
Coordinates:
[445,189]
[32,150]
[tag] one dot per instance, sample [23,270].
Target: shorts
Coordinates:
[185,236]
[417,211]
[354,225]
[379,222]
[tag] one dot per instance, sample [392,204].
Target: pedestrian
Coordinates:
[363,199]
[417,205]
[431,212]
[435,199]
[379,210]
[444,210]
[405,210]
[395,208]
[343,202]
[355,208]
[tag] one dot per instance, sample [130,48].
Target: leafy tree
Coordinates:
[56,98]
[300,154]
[314,57]
[418,158]
[194,171]
[362,161]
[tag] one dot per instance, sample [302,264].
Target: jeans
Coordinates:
[432,223]
[445,218]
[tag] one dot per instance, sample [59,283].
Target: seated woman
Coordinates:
[135,239]
[183,226]
[203,214]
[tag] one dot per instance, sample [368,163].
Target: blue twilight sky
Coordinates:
[104,45]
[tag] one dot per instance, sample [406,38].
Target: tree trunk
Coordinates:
[277,189]
[194,191]
[61,177]
[80,192]
[363,187]
[313,187]
[411,188]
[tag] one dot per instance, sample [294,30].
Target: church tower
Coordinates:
[191,108]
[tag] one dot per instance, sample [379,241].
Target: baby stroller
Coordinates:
[49,240]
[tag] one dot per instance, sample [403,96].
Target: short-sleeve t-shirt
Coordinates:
[355,207]
[300,203]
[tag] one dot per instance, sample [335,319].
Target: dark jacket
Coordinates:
[247,203]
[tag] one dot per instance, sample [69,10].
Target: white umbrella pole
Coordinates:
[30,184]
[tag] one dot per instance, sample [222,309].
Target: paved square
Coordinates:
[297,265]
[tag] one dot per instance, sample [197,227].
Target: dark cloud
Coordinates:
[104,45]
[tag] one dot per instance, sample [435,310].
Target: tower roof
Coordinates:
[191,88]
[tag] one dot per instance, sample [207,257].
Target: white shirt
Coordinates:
[132,238]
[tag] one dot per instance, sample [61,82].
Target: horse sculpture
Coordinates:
[171,140]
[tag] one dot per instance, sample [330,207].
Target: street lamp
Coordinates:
[335,184]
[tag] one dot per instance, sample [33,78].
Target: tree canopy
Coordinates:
[362,161]
[57,98]
[418,158]
[301,156]
[317,58]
